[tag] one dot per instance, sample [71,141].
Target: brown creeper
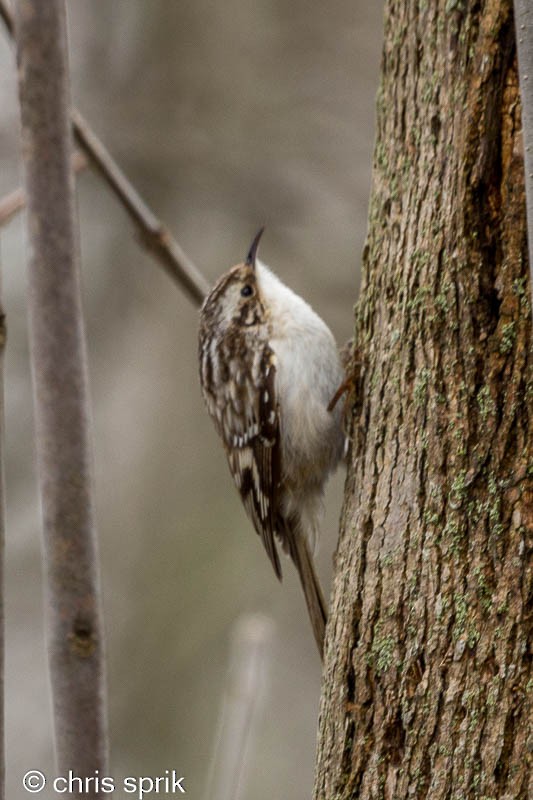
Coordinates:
[269,367]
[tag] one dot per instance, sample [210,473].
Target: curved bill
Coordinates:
[252,252]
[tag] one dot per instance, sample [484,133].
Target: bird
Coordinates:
[269,368]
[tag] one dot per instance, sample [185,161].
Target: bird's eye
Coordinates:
[247,290]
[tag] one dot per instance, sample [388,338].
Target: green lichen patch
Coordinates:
[508,337]
[421,387]
[486,405]
[458,489]
[381,655]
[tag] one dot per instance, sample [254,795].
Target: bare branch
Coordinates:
[153,235]
[243,698]
[523,13]
[61,398]
[15,201]
[7,17]
[11,204]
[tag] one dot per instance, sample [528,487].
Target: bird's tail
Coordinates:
[314,598]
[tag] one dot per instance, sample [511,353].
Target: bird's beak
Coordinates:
[252,252]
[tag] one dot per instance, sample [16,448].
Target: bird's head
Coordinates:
[236,297]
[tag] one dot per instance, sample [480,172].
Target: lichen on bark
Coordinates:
[427,686]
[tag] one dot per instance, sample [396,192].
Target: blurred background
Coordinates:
[225,116]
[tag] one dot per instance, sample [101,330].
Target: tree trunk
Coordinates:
[523,14]
[61,398]
[427,688]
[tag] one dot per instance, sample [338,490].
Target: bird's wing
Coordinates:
[254,458]
[246,415]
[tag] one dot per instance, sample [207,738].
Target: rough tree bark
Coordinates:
[523,14]
[427,687]
[62,413]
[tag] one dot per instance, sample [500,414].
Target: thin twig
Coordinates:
[7,18]
[244,695]
[15,201]
[11,204]
[153,235]
[523,13]
[61,395]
